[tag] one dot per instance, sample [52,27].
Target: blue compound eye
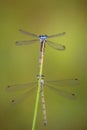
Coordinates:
[46,36]
[43,36]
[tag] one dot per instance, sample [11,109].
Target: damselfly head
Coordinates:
[38,76]
[43,36]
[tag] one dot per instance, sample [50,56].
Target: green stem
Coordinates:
[38,90]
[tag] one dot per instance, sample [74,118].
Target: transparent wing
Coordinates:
[17,87]
[57,35]
[64,82]
[56,45]
[20,43]
[28,33]
[22,97]
[62,92]
[29,87]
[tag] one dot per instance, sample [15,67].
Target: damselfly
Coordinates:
[40,77]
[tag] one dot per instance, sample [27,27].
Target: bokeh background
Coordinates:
[20,64]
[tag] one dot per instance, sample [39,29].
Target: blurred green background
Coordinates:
[20,64]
